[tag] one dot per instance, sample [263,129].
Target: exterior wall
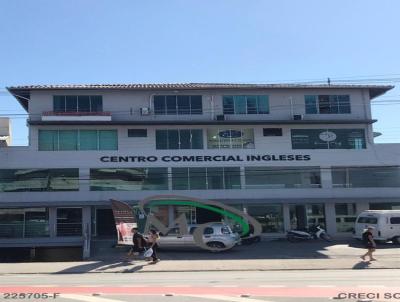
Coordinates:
[5,132]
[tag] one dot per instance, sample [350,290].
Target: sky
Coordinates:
[174,41]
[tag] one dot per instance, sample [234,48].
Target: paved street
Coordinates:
[242,286]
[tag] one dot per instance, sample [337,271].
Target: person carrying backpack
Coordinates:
[368,240]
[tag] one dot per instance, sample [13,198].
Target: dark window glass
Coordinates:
[184,139]
[84,103]
[48,140]
[324,104]
[252,104]
[197,178]
[162,139]
[196,104]
[229,107]
[88,140]
[137,132]
[197,138]
[96,103]
[171,104]
[272,131]
[215,178]
[108,140]
[173,139]
[59,103]
[311,104]
[367,220]
[183,104]
[394,220]
[232,177]
[208,231]
[68,140]
[262,104]
[69,222]
[344,104]
[180,179]
[71,103]
[159,104]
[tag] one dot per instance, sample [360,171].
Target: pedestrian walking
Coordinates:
[152,243]
[369,242]
[138,241]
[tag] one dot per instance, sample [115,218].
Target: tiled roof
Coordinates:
[193,86]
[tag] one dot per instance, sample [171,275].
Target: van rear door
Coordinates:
[394,225]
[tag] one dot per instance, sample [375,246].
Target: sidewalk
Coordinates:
[141,266]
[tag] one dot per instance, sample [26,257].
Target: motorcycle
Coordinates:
[316,232]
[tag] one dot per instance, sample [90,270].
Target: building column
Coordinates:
[330,218]
[171,216]
[242,178]
[326,177]
[86,231]
[286,217]
[53,222]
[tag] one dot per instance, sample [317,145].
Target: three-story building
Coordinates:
[289,155]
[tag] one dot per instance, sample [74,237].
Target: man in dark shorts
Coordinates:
[370,244]
[139,243]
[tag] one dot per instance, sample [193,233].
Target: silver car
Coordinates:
[217,235]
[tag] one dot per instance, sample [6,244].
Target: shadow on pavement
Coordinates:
[361,265]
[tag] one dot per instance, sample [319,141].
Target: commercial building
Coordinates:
[289,155]
[5,132]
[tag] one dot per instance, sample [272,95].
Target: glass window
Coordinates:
[245,104]
[180,178]
[215,178]
[230,138]
[171,104]
[328,139]
[36,222]
[367,220]
[272,131]
[232,177]
[88,140]
[197,179]
[366,177]
[327,104]
[96,103]
[11,223]
[277,178]
[385,206]
[173,139]
[179,139]
[68,140]
[394,220]
[48,140]
[69,222]
[161,139]
[270,216]
[159,104]
[137,132]
[71,103]
[108,140]
[59,103]
[196,104]
[130,179]
[229,106]
[84,103]
[23,180]
[345,217]
[183,104]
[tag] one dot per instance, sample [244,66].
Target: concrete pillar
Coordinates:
[52,222]
[286,217]
[84,179]
[86,231]
[326,177]
[171,215]
[330,218]
[169,179]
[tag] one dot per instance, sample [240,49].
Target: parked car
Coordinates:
[386,225]
[217,235]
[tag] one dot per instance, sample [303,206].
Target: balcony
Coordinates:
[101,116]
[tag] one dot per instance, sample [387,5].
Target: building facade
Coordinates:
[289,155]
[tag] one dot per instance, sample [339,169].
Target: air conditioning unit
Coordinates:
[297,117]
[145,111]
[220,117]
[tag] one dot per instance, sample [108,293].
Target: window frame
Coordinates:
[327,104]
[168,134]
[240,104]
[174,107]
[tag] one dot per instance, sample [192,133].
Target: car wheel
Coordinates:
[396,240]
[216,245]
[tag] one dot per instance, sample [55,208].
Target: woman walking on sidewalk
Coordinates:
[370,244]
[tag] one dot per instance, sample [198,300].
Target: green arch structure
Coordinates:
[237,218]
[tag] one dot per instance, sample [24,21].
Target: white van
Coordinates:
[386,225]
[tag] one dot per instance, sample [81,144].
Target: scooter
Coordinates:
[316,232]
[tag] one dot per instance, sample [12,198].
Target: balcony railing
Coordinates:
[76,116]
